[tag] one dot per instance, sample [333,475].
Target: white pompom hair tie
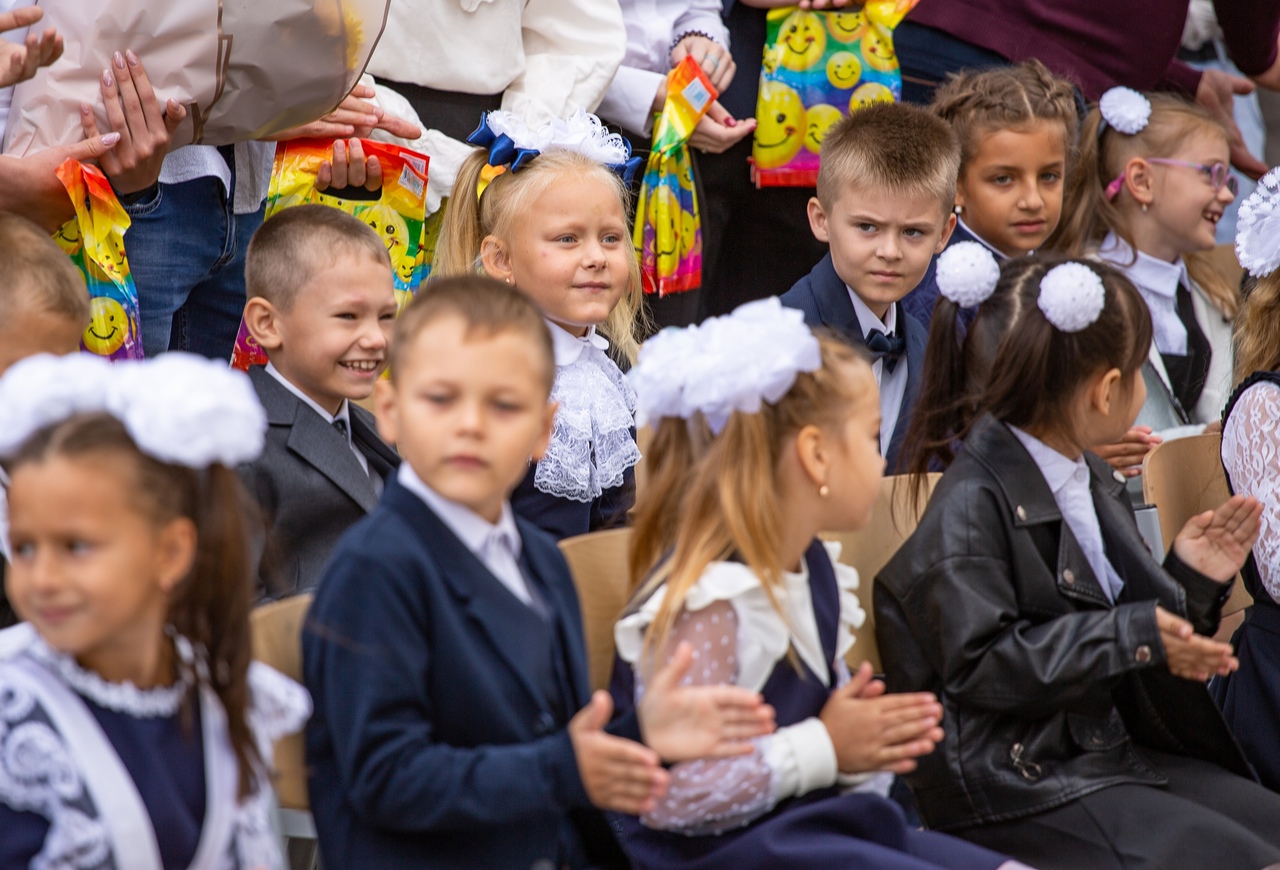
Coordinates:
[1072,296]
[1258,227]
[1125,109]
[967,274]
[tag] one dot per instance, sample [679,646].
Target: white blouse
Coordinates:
[1251,456]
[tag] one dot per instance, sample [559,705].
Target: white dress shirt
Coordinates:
[1069,481]
[344,413]
[893,385]
[496,545]
[651,27]
[1157,281]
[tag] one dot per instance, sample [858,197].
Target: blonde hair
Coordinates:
[1257,335]
[469,219]
[713,499]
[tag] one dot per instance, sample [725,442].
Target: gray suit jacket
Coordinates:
[309,484]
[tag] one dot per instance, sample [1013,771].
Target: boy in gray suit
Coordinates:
[321,306]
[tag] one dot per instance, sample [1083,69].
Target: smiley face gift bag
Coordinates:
[668,233]
[397,213]
[94,240]
[818,67]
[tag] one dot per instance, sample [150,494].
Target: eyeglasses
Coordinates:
[1218,172]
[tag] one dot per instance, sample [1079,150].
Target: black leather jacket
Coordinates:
[1045,684]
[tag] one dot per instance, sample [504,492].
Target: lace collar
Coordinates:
[591,442]
[120,697]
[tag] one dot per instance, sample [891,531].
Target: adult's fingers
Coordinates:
[146,95]
[324,176]
[399,127]
[174,114]
[134,114]
[110,165]
[91,150]
[373,168]
[24,17]
[341,165]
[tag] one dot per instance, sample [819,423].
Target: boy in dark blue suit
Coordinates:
[453,722]
[883,204]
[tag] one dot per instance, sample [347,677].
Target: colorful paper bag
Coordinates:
[94,240]
[398,216]
[668,230]
[818,67]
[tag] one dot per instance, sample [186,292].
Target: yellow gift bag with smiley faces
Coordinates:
[818,67]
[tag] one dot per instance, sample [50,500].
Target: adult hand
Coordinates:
[1216,543]
[685,722]
[881,733]
[30,187]
[618,774]
[1216,93]
[145,131]
[20,62]
[349,168]
[353,117]
[718,131]
[1126,455]
[1187,654]
[713,57]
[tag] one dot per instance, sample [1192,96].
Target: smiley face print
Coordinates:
[108,326]
[869,93]
[846,27]
[843,70]
[877,51]
[780,125]
[803,40]
[818,120]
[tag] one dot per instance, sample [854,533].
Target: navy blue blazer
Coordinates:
[437,740]
[824,299]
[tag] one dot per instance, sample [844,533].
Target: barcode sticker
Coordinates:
[416,162]
[411,181]
[697,94]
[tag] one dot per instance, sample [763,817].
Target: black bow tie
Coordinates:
[886,347]
[341,425]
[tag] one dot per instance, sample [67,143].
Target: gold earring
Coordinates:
[824,490]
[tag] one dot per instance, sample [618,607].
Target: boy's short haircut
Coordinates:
[37,274]
[485,305]
[892,146]
[294,244]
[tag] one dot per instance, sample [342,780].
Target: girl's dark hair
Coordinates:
[210,607]
[1038,368]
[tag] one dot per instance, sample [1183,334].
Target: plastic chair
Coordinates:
[598,563]
[276,630]
[1182,478]
[871,548]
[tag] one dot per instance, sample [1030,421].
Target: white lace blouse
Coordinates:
[738,638]
[1251,456]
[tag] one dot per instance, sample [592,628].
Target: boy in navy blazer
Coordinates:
[444,652]
[321,306]
[883,204]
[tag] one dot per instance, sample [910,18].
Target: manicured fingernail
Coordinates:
[118,59]
[730,122]
[110,139]
[371,119]
[108,80]
[84,109]
[131,57]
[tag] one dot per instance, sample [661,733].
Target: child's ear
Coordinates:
[1138,180]
[814,454]
[948,227]
[263,322]
[1106,391]
[385,414]
[818,220]
[176,553]
[495,257]
[544,437]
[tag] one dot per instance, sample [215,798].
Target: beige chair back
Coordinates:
[598,563]
[871,548]
[277,641]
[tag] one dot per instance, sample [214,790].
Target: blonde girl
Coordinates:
[554,224]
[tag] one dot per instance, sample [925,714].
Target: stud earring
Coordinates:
[824,491]
[959,209]
[1144,208]
[508,280]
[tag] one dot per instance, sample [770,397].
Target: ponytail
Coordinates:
[676,446]
[462,232]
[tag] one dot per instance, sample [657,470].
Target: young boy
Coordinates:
[453,724]
[885,191]
[44,309]
[321,306]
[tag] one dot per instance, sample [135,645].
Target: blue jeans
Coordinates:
[186,250]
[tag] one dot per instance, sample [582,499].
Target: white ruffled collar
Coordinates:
[591,442]
[125,697]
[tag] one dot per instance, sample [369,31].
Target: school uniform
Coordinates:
[98,775]
[1026,601]
[786,804]
[896,345]
[585,482]
[317,475]
[919,302]
[446,658]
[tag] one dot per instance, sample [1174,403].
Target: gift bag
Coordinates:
[398,215]
[818,67]
[244,69]
[94,240]
[668,230]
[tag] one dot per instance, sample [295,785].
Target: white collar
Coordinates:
[980,240]
[867,319]
[472,529]
[1149,273]
[344,413]
[1058,470]
[569,347]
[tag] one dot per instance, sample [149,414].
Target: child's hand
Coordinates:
[349,168]
[20,62]
[713,57]
[1189,655]
[1216,543]
[880,732]
[686,722]
[618,774]
[718,131]
[1126,455]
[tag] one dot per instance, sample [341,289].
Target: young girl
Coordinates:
[555,226]
[1017,127]
[1251,456]
[795,451]
[1070,664]
[134,732]
[1150,182]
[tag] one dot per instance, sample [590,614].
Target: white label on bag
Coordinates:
[411,181]
[416,162]
[697,94]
